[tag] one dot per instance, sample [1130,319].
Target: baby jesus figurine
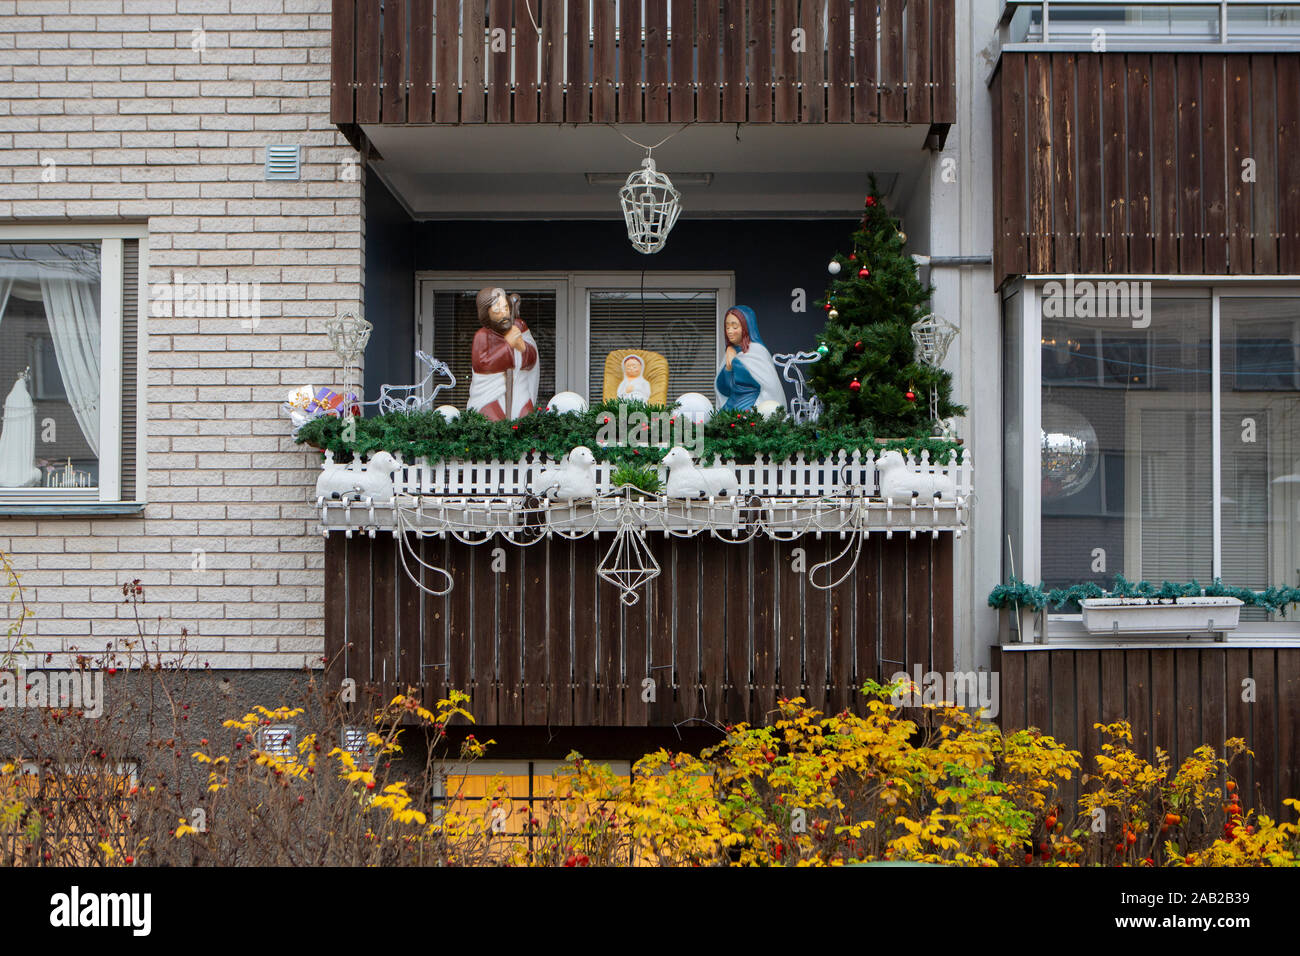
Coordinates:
[634,385]
[504,359]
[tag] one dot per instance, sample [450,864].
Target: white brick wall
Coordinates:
[144,128]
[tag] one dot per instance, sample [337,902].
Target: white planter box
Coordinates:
[1189,615]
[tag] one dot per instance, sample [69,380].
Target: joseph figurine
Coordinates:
[504,359]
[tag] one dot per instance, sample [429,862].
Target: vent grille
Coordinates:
[130,356]
[283,162]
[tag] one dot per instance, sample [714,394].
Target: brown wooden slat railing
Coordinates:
[724,632]
[741,61]
[1176,699]
[1142,163]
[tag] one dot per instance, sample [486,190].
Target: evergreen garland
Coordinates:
[1274,600]
[731,436]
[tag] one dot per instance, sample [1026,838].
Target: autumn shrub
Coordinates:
[140,785]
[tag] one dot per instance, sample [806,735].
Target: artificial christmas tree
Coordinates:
[869,371]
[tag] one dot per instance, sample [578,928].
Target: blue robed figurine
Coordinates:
[748,374]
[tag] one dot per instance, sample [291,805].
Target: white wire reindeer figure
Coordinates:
[412,398]
[803,408]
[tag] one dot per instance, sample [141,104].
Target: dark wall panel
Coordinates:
[390,289]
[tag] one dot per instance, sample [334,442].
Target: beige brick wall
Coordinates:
[144,128]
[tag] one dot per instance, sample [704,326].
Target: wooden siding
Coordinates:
[732,62]
[1119,163]
[1177,700]
[724,632]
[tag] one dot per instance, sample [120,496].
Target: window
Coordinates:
[1169,444]
[507,795]
[69,354]
[578,318]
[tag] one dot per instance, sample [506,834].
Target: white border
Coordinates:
[110,238]
[1067,629]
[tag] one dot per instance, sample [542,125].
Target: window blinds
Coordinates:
[679,325]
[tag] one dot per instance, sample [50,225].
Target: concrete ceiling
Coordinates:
[540,172]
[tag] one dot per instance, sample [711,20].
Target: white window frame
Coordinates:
[572,307]
[1068,628]
[111,239]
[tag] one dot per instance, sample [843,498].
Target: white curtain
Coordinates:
[18,440]
[18,433]
[72,308]
[6,286]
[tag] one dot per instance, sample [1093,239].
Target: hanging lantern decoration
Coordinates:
[348,335]
[651,205]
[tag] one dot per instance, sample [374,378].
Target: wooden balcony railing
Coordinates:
[599,61]
[723,633]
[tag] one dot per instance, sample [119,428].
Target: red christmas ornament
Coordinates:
[857,346]
[863,272]
[871,200]
[827,307]
[853,257]
[855,386]
[910,395]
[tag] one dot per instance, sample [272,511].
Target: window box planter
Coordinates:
[1188,615]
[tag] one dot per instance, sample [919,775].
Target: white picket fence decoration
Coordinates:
[830,477]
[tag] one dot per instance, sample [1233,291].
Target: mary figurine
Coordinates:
[748,374]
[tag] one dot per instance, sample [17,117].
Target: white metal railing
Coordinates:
[833,476]
[1120,24]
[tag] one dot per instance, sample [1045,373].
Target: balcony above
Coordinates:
[545,61]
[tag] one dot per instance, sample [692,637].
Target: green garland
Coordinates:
[733,436]
[1274,600]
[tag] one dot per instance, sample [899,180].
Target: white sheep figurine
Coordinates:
[355,481]
[902,482]
[574,478]
[688,480]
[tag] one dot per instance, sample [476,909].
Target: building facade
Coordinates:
[200,186]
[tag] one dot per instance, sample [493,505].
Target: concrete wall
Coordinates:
[961,224]
[158,112]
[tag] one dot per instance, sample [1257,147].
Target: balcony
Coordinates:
[805,583]
[661,61]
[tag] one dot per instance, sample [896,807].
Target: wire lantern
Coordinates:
[651,205]
[933,335]
[348,335]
